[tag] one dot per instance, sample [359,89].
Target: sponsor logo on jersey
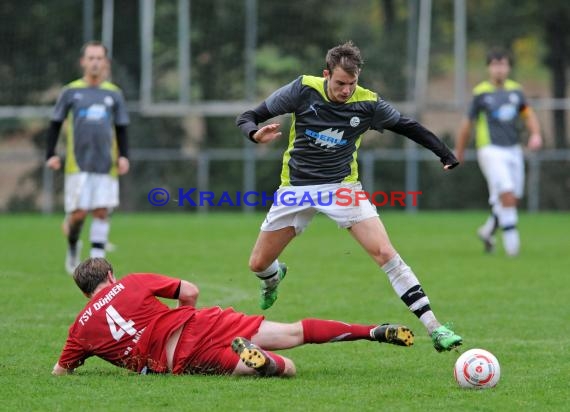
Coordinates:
[506,112]
[328,138]
[94,113]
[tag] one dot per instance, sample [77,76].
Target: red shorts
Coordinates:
[204,346]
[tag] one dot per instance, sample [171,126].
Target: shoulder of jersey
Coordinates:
[110,86]
[487,87]
[76,84]
[318,83]
[81,84]
[362,94]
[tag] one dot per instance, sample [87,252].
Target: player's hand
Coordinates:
[449,161]
[54,163]
[123,165]
[267,133]
[534,142]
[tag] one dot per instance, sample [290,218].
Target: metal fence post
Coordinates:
[47,190]
[533,183]
[203,177]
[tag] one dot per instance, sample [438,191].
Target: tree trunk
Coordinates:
[557,40]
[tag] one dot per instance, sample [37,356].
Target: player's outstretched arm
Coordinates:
[248,124]
[419,134]
[188,295]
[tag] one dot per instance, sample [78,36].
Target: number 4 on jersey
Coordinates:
[118,325]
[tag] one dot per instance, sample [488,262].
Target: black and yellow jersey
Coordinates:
[325,135]
[495,112]
[91,112]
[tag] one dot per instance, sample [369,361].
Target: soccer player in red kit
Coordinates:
[125,324]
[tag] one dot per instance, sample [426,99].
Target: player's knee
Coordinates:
[101,213]
[256,264]
[78,216]
[383,254]
[508,199]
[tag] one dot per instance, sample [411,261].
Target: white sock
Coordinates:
[508,219]
[270,275]
[511,242]
[98,235]
[96,252]
[488,227]
[407,286]
[400,275]
[429,321]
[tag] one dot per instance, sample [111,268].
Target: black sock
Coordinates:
[73,235]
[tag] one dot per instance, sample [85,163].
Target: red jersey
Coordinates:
[126,325]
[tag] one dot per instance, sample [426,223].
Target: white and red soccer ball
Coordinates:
[477,369]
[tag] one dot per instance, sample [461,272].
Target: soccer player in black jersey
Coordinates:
[97,151]
[330,114]
[496,111]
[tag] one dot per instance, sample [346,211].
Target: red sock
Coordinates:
[275,368]
[323,331]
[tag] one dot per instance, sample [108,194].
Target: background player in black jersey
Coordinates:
[498,106]
[330,114]
[97,150]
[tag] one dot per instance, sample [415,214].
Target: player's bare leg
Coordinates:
[372,236]
[276,335]
[65,225]
[99,232]
[256,358]
[263,262]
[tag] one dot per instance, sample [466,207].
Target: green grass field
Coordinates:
[516,308]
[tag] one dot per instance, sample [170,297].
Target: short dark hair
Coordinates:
[92,43]
[498,53]
[90,273]
[346,56]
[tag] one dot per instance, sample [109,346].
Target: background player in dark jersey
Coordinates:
[497,107]
[125,324]
[330,114]
[97,150]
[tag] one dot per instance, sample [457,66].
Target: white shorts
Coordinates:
[296,205]
[503,168]
[89,191]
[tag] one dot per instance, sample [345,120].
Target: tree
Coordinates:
[555,21]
